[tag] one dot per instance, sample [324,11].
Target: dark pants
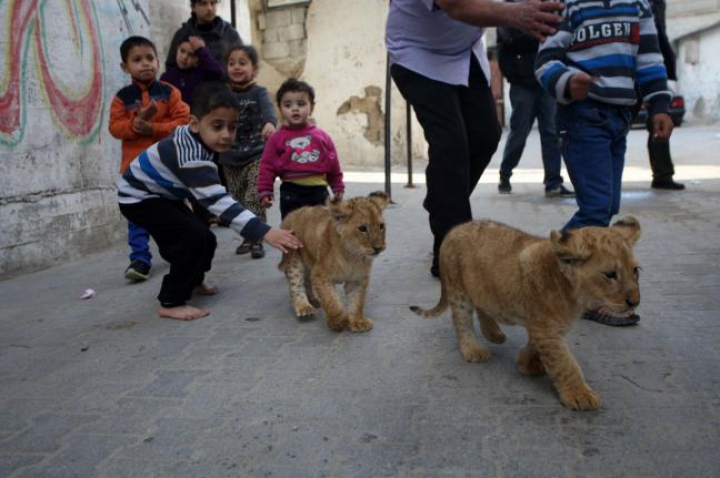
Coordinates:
[528,104]
[660,159]
[593,142]
[294,196]
[184,240]
[462,130]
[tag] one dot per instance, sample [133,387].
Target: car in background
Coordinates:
[676,111]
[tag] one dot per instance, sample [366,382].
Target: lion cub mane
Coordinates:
[340,241]
[510,277]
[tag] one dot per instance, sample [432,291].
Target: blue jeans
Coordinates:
[139,242]
[528,104]
[593,140]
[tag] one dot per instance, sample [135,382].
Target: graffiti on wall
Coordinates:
[77,109]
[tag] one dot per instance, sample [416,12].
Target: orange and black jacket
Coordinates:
[171,113]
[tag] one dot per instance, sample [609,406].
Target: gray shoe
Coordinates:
[559,192]
[504,187]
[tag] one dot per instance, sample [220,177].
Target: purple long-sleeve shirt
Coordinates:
[208,69]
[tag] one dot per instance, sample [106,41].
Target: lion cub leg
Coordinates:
[490,328]
[356,292]
[295,274]
[462,317]
[528,360]
[335,314]
[312,298]
[565,373]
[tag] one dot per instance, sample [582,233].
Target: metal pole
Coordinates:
[233,14]
[388,87]
[408,136]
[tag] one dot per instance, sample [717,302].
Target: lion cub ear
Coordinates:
[629,228]
[379,198]
[339,209]
[568,247]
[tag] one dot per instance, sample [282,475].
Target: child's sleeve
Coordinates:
[178,115]
[121,121]
[211,68]
[551,69]
[266,108]
[651,74]
[268,166]
[334,174]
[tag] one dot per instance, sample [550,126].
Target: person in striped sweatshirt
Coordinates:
[153,190]
[591,65]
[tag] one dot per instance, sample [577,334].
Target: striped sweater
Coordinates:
[180,167]
[614,41]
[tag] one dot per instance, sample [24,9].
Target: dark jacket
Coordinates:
[516,55]
[218,37]
[658,10]
[208,69]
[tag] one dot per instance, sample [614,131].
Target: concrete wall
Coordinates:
[698,73]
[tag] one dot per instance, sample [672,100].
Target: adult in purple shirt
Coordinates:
[438,63]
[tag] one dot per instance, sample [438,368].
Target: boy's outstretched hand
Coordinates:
[196,42]
[267,131]
[579,86]
[662,127]
[282,240]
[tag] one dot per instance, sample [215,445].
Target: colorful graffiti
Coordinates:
[77,111]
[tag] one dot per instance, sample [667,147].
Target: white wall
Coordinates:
[699,76]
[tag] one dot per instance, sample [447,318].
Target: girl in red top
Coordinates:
[302,155]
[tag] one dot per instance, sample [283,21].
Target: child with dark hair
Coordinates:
[141,114]
[153,190]
[257,123]
[194,65]
[204,22]
[300,153]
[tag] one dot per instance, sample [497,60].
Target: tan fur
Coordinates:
[511,277]
[340,240]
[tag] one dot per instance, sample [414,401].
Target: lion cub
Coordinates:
[511,277]
[340,241]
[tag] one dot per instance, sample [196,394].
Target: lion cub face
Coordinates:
[360,224]
[602,263]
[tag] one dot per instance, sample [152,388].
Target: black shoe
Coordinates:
[243,248]
[668,184]
[504,186]
[257,251]
[559,191]
[435,271]
[608,318]
[137,271]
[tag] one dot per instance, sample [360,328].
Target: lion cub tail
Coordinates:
[434,312]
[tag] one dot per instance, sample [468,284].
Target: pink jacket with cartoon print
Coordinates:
[296,154]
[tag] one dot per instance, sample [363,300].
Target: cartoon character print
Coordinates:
[301,151]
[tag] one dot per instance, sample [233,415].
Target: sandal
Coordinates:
[243,248]
[606,317]
[257,251]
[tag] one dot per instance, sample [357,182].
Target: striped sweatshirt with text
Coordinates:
[181,167]
[615,42]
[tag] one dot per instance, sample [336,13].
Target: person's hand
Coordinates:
[267,131]
[148,112]
[266,201]
[196,42]
[142,127]
[579,86]
[662,126]
[283,240]
[339,195]
[535,17]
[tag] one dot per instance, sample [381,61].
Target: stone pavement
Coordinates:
[104,388]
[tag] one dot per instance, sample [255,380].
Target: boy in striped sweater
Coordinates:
[591,65]
[152,194]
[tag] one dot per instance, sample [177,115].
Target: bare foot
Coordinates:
[183,312]
[204,289]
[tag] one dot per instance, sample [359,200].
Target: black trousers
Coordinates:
[184,240]
[293,196]
[659,153]
[462,130]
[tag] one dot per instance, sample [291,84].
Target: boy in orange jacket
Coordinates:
[142,114]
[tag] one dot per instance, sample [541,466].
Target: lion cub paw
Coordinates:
[580,399]
[337,324]
[303,310]
[474,352]
[362,325]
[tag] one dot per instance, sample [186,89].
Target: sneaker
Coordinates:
[559,192]
[137,271]
[504,186]
[243,248]
[257,251]
[606,317]
[668,184]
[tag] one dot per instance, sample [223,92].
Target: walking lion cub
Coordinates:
[340,241]
[511,277]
